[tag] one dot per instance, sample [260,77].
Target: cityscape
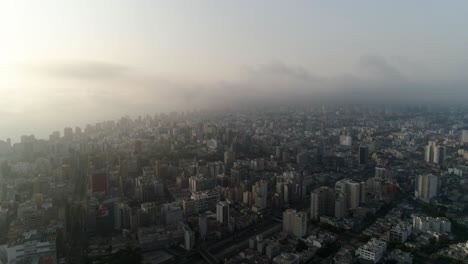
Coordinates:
[233,132]
[294,184]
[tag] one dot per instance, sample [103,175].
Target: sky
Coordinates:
[68,63]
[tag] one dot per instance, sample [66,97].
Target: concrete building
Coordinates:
[372,251]
[200,202]
[400,232]
[171,213]
[32,248]
[437,224]
[200,183]
[295,223]
[346,140]
[434,153]
[203,226]
[273,249]
[353,192]
[322,202]
[426,187]
[340,206]
[222,212]
[464,137]
[189,237]
[260,195]
[363,154]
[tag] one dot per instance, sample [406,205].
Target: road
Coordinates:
[245,242]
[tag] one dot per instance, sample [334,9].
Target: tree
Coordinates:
[301,246]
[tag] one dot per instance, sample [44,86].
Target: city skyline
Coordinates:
[96,61]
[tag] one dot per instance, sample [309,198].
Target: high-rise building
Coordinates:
[353,192]
[260,195]
[440,154]
[426,187]
[202,225]
[363,154]
[340,206]
[322,202]
[68,134]
[229,158]
[346,139]
[295,223]
[438,224]
[464,137]
[222,212]
[200,183]
[189,236]
[200,202]
[171,213]
[434,153]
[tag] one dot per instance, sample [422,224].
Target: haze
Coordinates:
[65,63]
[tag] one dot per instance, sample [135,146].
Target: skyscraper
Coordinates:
[426,187]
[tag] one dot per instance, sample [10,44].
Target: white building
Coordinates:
[400,232]
[33,247]
[372,251]
[438,224]
[346,140]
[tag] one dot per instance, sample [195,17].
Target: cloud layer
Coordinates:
[72,93]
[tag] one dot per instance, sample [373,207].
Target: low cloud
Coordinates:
[81,70]
[112,90]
